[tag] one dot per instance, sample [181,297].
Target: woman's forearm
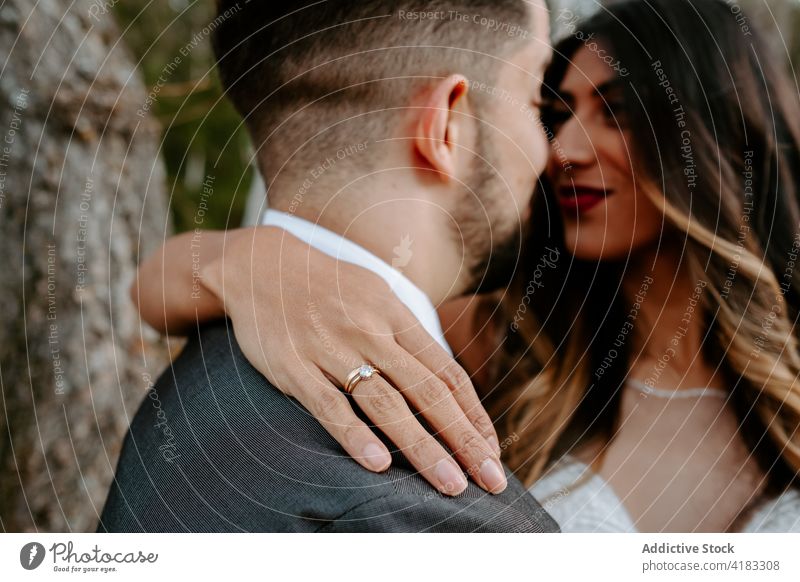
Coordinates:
[168,291]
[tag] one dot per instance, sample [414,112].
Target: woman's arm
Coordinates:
[170,297]
[305,320]
[168,291]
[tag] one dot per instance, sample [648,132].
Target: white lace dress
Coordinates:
[593,506]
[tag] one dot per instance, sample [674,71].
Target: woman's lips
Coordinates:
[581,198]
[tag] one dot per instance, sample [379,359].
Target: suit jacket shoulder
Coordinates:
[214,447]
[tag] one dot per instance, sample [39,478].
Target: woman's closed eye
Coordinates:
[554,115]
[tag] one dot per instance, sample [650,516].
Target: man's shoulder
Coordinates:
[215,447]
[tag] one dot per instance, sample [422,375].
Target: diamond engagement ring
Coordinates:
[363,372]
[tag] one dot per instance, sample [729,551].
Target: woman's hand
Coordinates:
[305,321]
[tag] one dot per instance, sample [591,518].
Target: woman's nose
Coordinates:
[575,144]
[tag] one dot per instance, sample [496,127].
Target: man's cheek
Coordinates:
[532,159]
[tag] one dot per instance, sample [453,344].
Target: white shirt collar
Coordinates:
[346,250]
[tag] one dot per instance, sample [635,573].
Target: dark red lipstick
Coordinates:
[581,198]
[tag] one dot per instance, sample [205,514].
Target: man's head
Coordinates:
[443,90]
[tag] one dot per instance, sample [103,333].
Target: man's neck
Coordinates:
[403,232]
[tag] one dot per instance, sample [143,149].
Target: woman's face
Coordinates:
[605,216]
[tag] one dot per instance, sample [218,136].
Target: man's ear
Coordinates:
[441,125]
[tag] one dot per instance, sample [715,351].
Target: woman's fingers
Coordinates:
[430,354]
[385,406]
[332,409]
[435,401]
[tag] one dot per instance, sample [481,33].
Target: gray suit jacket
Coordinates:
[215,448]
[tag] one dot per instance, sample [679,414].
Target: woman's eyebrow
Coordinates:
[610,86]
[602,91]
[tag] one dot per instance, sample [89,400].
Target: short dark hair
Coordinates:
[298,70]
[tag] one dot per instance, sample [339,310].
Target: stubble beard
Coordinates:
[487,230]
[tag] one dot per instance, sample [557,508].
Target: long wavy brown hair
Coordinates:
[738,227]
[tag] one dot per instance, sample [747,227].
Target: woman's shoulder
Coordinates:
[580,500]
[563,474]
[780,514]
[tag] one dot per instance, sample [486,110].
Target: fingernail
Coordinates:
[451,479]
[492,476]
[495,444]
[376,457]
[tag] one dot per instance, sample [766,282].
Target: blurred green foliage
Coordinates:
[202,135]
